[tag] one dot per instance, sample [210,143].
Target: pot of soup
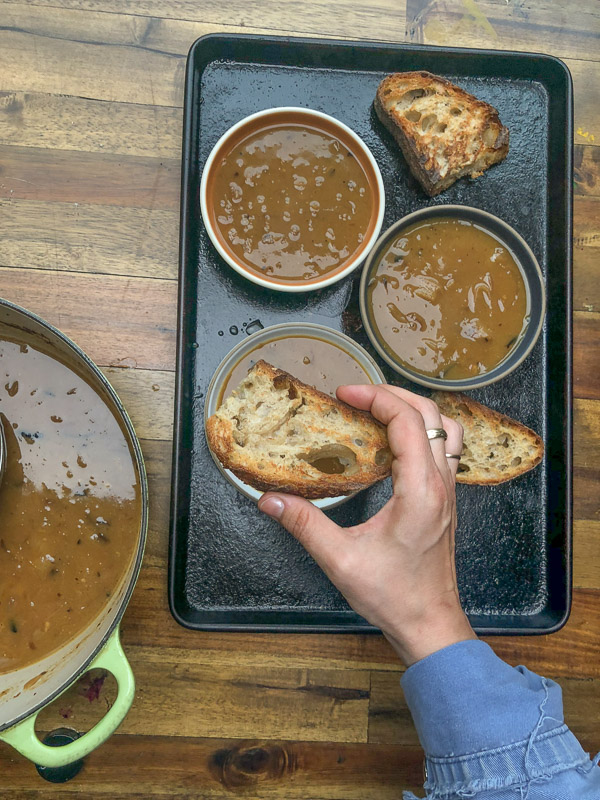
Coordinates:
[73,520]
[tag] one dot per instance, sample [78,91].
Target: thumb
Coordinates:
[322,538]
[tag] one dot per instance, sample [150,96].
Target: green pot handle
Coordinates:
[23,738]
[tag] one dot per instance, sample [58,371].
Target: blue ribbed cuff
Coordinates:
[516,765]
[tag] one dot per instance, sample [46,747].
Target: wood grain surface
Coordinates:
[91,93]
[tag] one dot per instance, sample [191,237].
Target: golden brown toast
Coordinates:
[276,433]
[444,132]
[496,448]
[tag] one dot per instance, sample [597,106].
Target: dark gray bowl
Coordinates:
[530,270]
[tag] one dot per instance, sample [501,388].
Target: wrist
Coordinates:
[434,629]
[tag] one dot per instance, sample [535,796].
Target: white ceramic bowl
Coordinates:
[270,334]
[315,120]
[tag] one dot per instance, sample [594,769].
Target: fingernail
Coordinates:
[273,506]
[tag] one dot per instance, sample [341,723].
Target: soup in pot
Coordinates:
[70,504]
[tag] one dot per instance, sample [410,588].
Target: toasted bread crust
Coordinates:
[288,472]
[464,137]
[484,430]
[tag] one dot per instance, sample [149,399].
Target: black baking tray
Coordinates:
[232,568]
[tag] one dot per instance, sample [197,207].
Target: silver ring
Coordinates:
[452,455]
[436,433]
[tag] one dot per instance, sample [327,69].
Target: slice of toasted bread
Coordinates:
[444,132]
[276,433]
[496,448]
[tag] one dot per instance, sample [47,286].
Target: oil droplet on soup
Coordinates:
[291,202]
[448,299]
[69,505]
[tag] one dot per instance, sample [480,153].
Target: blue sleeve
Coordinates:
[494,732]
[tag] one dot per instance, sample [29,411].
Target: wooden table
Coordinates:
[90,128]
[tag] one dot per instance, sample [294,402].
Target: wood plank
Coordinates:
[146,766]
[115,57]
[32,173]
[117,321]
[586,361]
[586,432]
[143,391]
[586,169]
[390,721]
[568,29]
[586,253]
[76,123]
[59,122]
[498,25]
[127,53]
[82,237]
[554,655]
[586,278]
[586,220]
[197,700]
[326,17]
[585,492]
[59,208]
[151,633]
[61,297]
[149,630]
[134,234]
[586,437]
[586,563]
[100,56]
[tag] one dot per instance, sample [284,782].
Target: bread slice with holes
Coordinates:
[276,433]
[496,448]
[444,132]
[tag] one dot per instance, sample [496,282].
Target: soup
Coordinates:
[70,505]
[313,361]
[448,299]
[291,202]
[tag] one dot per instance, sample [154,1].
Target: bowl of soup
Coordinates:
[73,520]
[315,354]
[292,199]
[452,298]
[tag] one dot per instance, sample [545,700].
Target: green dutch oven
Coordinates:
[25,691]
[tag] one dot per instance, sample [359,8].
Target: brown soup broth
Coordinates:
[70,505]
[311,360]
[448,299]
[291,202]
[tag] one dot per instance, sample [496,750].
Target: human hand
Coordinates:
[397,568]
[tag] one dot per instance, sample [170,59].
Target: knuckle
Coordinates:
[414,419]
[430,406]
[422,407]
[453,426]
[345,564]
